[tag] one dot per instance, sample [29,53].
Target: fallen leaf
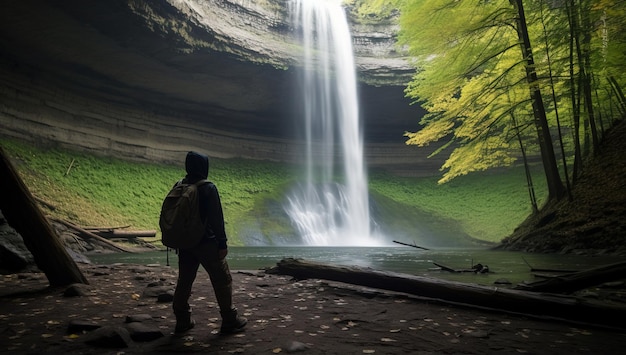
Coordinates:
[277,350]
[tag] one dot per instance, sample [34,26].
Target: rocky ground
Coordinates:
[126,309]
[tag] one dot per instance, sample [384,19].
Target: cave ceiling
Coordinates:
[231,64]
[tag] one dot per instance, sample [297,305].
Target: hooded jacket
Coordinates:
[197,167]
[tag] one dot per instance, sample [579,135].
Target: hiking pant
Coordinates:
[205,254]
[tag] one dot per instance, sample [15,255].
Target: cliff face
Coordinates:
[151,79]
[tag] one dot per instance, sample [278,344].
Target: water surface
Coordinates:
[513,266]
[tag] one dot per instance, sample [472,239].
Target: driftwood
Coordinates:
[45,203]
[534,269]
[476,269]
[21,211]
[410,245]
[126,234]
[575,281]
[87,234]
[494,298]
[105,229]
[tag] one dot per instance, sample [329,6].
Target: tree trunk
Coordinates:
[577,280]
[529,177]
[621,99]
[574,97]
[21,211]
[555,185]
[495,298]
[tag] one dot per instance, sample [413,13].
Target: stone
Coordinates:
[296,346]
[14,255]
[138,318]
[143,332]
[79,326]
[156,291]
[109,337]
[165,297]
[76,290]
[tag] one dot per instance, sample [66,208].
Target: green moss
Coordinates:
[488,206]
[101,191]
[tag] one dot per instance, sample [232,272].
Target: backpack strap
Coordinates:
[199,183]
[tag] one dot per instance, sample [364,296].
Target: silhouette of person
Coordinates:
[210,252]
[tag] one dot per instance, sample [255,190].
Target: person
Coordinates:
[210,253]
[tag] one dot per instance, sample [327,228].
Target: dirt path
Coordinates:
[285,316]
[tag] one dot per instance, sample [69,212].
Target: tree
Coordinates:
[553,178]
[472,72]
[470,79]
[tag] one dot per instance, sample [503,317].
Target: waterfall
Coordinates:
[331,207]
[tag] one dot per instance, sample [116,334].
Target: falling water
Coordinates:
[331,207]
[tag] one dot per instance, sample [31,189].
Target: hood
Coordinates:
[197,166]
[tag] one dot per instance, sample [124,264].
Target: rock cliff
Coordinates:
[151,79]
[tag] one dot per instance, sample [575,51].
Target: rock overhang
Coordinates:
[228,64]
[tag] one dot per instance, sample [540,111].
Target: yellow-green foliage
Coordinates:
[372,11]
[471,76]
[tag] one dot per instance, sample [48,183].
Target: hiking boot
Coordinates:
[184,326]
[232,323]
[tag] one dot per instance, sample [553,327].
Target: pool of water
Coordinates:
[513,266]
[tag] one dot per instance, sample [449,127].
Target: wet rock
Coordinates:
[14,255]
[109,337]
[78,326]
[296,346]
[138,318]
[76,290]
[166,297]
[156,291]
[143,332]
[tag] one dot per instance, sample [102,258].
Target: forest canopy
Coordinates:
[505,80]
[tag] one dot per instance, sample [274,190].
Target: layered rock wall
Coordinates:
[150,80]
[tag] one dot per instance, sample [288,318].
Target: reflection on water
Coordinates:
[513,266]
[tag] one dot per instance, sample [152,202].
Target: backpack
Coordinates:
[180,221]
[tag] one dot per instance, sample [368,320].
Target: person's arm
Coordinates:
[216,218]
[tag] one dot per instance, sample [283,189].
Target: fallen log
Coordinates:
[494,298]
[449,269]
[575,281]
[88,234]
[534,269]
[105,229]
[45,203]
[126,234]
[410,245]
